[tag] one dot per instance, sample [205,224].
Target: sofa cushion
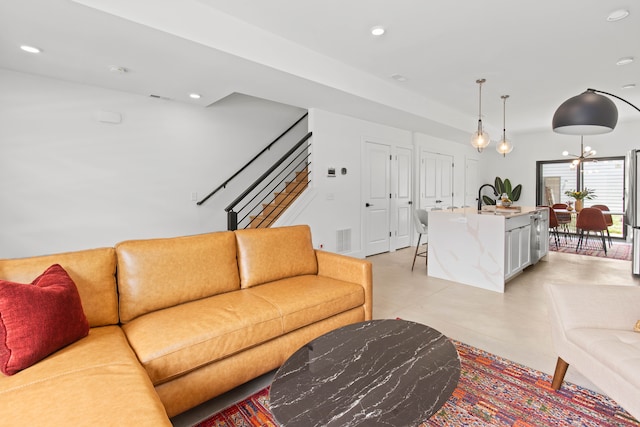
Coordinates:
[618,350]
[269,254]
[93,271]
[95,381]
[304,300]
[159,273]
[176,340]
[39,318]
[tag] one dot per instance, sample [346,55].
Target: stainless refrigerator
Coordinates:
[632,205]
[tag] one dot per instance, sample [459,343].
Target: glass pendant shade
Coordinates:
[480,139]
[504,146]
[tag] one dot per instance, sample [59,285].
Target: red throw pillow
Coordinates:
[39,318]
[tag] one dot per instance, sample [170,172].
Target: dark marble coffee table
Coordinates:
[380,372]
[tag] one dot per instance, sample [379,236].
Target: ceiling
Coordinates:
[321,54]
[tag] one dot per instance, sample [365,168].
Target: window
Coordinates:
[604,175]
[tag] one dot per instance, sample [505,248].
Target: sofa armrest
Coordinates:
[594,306]
[349,269]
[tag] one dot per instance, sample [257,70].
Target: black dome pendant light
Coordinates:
[587,114]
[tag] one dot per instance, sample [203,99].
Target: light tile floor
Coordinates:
[513,325]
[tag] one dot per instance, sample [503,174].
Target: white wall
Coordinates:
[336,203]
[70,182]
[520,165]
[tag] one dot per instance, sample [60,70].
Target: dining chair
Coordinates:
[564,218]
[553,224]
[591,219]
[607,218]
[421,223]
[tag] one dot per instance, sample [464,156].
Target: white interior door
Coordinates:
[377,195]
[436,180]
[403,202]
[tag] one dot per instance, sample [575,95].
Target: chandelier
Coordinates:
[585,153]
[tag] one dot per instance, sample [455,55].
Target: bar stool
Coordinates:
[421,223]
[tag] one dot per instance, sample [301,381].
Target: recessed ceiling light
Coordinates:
[617,15]
[625,61]
[378,30]
[194,96]
[399,77]
[30,49]
[629,86]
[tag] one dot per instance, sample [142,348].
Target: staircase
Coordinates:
[281,201]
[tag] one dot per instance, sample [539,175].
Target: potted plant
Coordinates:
[504,187]
[580,196]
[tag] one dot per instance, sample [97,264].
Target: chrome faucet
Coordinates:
[480,196]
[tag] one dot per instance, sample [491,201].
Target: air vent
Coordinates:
[343,240]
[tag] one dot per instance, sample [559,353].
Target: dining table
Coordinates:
[571,227]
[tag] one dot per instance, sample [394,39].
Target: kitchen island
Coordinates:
[486,248]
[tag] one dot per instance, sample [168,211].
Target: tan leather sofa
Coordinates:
[178,321]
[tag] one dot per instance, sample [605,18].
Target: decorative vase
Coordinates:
[579,204]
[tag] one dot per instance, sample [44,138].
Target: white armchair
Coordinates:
[592,330]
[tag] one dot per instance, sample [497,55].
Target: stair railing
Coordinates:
[264,150]
[249,204]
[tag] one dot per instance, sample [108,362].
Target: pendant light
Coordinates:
[480,139]
[504,147]
[587,114]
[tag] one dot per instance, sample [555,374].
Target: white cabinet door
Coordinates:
[517,250]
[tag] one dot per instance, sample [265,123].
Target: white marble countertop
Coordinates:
[491,210]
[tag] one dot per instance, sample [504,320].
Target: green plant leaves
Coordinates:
[513,193]
[499,185]
[488,200]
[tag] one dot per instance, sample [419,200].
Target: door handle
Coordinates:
[409,202]
[368,204]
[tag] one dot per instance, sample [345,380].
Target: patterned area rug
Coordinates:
[492,392]
[618,250]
